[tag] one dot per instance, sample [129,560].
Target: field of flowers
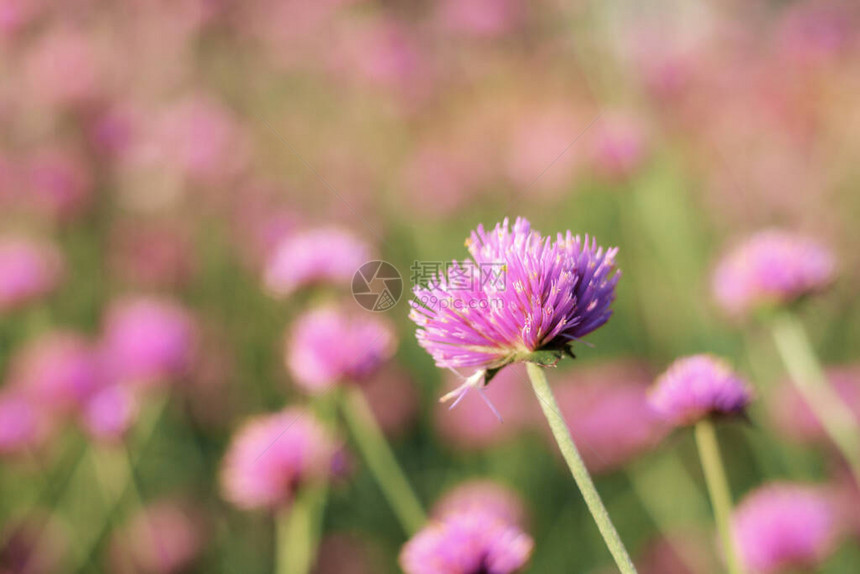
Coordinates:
[429,286]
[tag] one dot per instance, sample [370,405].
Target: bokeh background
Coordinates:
[156,153]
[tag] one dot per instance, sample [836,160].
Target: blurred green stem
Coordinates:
[298,532]
[380,459]
[718,488]
[577,468]
[808,377]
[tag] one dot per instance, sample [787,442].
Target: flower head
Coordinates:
[29,270]
[324,255]
[771,268]
[272,456]
[471,535]
[330,345]
[696,387]
[518,294]
[784,526]
[147,341]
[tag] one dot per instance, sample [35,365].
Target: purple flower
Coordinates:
[324,255]
[468,541]
[329,345]
[784,526]
[606,410]
[60,370]
[696,387]
[519,293]
[271,456]
[29,270]
[771,268]
[147,341]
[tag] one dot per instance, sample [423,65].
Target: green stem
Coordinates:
[718,488]
[577,468]
[298,532]
[381,461]
[808,377]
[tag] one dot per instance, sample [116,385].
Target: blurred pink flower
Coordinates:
[698,387]
[482,496]
[163,538]
[607,412]
[321,255]
[470,539]
[29,270]
[785,526]
[147,341]
[60,370]
[792,415]
[473,424]
[771,268]
[110,413]
[272,456]
[331,345]
[58,182]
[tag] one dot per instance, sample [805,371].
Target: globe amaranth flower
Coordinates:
[323,255]
[769,269]
[470,534]
[606,409]
[147,341]
[29,270]
[331,345]
[784,526]
[520,293]
[697,387]
[272,456]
